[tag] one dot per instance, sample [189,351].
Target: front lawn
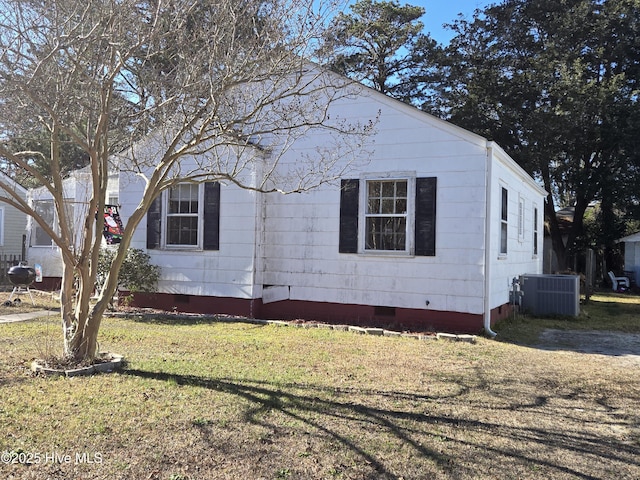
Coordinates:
[201,400]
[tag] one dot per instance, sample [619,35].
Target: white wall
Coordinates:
[290,242]
[227,272]
[520,257]
[302,231]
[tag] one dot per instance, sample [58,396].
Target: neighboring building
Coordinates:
[632,257]
[13,223]
[41,248]
[429,234]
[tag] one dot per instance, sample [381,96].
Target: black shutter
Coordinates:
[349,199]
[154,223]
[425,234]
[211,216]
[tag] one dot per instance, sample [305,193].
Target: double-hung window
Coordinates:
[183,202]
[504,224]
[390,213]
[535,231]
[186,216]
[386,216]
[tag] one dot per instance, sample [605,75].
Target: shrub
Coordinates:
[137,274]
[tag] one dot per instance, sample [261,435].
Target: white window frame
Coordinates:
[535,247]
[521,219]
[410,178]
[504,222]
[166,216]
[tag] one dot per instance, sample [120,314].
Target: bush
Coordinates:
[137,274]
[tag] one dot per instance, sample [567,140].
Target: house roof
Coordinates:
[4,178]
[635,237]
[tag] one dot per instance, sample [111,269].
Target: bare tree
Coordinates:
[225,84]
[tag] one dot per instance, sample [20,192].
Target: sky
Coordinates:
[438,12]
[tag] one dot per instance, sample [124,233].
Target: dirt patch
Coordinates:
[624,346]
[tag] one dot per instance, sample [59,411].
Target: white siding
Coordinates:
[14,226]
[227,272]
[289,243]
[520,257]
[302,231]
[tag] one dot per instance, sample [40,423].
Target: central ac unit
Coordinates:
[550,294]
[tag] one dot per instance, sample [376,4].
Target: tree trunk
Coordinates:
[82,343]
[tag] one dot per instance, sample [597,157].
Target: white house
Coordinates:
[428,234]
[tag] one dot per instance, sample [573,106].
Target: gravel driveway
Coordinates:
[624,346]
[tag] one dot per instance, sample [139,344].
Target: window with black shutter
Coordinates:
[394,215]
[175,218]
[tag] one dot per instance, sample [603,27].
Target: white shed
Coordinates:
[632,254]
[428,234]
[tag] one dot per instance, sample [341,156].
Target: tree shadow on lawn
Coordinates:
[414,429]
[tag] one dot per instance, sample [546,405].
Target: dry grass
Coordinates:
[41,301]
[236,400]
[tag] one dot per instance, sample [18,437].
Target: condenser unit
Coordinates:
[550,294]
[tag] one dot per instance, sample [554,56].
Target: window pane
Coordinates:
[374,189]
[401,205]
[386,233]
[182,230]
[183,199]
[388,189]
[44,209]
[388,206]
[401,189]
[503,238]
[373,205]
[504,204]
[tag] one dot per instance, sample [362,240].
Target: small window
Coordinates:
[44,209]
[182,215]
[520,219]
[186,216]
[535,231]
[504,222]
[386,215]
